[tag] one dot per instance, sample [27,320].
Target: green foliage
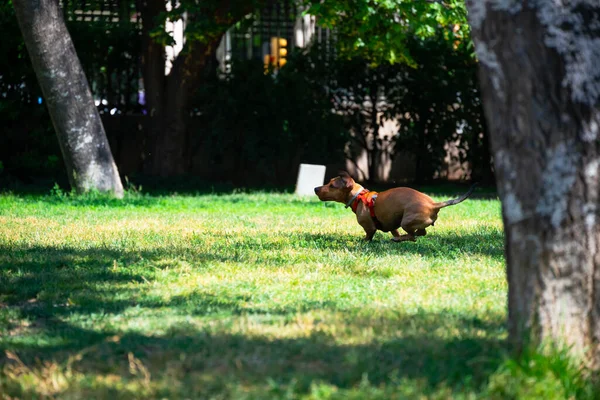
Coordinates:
[416,59]
[313,105]
[270,122]
[110,56]
[435,102]
[257,127]
[205,20]
[542,373]
[57,192]
[438,102]
[378,30]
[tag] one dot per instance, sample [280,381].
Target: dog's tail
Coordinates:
[457,200]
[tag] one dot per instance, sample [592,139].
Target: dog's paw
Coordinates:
[404,238]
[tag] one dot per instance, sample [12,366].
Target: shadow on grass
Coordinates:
[38,283]
[488,242]
[185,357]
[51,273]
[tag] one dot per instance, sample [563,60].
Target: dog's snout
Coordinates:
[317,189]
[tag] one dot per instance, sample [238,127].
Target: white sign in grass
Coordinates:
[309,176]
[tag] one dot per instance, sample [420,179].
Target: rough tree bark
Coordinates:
[541,90]
[78,126]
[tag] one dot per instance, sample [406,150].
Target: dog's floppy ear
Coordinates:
[347,179]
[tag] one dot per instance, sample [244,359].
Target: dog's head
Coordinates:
[337,189]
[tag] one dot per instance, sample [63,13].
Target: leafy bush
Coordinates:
[257,126]
[435,103]
[542,374]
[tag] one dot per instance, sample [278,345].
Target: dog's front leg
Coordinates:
[369,228]
[364,219]
[370,233]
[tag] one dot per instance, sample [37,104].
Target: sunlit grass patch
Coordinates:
[257,295]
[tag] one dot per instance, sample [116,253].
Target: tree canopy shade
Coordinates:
[82,139]
[377,30]
[541,93]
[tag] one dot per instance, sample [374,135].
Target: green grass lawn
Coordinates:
[244,296]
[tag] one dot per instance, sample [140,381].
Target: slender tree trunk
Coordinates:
[481,159]
[180,86]
[373,153]
[168,102]
[421,169]
[82,139]
[541,91]
[153,64]
[168,97]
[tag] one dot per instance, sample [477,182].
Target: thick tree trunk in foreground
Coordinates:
[82,139]
[541,91]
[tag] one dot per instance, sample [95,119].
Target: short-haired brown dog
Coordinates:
[387,211]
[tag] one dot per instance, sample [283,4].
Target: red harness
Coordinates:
[368,199]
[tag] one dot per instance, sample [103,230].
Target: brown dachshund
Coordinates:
[389,210]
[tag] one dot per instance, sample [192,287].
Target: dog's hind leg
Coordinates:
[415,225]
[402,238]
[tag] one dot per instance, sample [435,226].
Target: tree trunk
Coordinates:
[421,169]
[373,153]
[180,85]
[481,158]
[153,72]
[168,97]
[541,91]
[82,139]
[168,101]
